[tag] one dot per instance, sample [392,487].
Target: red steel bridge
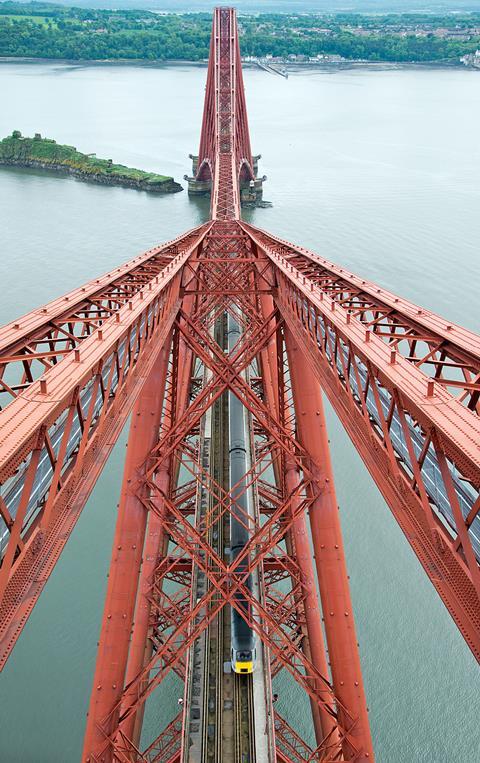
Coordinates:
[148,340]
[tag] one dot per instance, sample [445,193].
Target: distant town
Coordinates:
[37,30]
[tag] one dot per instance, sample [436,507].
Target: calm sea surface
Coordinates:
[375,169]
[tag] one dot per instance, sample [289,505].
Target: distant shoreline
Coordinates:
[292,65]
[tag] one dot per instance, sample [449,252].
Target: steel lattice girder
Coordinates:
[57,435]
[448,354]
[282,611]
[32,344]
[421,444]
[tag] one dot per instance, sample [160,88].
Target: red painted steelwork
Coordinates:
[225,150]
[327,541]
[447,353]
[55,436]
[127,554]
[403,381]
[398,427]
[278,618]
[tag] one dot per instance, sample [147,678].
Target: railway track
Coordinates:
[228,733]
[213,693]
[227,708]
[244,719]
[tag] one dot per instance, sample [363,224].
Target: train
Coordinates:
[243,650]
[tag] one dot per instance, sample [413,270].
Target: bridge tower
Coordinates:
[225,126]
[148,630]
[229,329]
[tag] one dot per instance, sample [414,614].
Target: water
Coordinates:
[375,169]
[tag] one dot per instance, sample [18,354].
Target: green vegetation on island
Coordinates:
[44,30]
[47,154]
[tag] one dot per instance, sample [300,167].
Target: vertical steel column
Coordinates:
[329,555]
[297,539]
[324,724]
[125,566]
[141,647]
[157,540]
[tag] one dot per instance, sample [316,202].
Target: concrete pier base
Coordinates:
[251,192]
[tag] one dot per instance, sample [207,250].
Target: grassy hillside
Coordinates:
[45,30]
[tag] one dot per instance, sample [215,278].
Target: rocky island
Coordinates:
[46,154]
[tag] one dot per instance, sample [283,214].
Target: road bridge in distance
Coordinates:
[219,344]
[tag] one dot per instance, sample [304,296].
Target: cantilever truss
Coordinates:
[404,382]
[228,277]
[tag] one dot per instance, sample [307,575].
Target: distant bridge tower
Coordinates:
[225,124]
